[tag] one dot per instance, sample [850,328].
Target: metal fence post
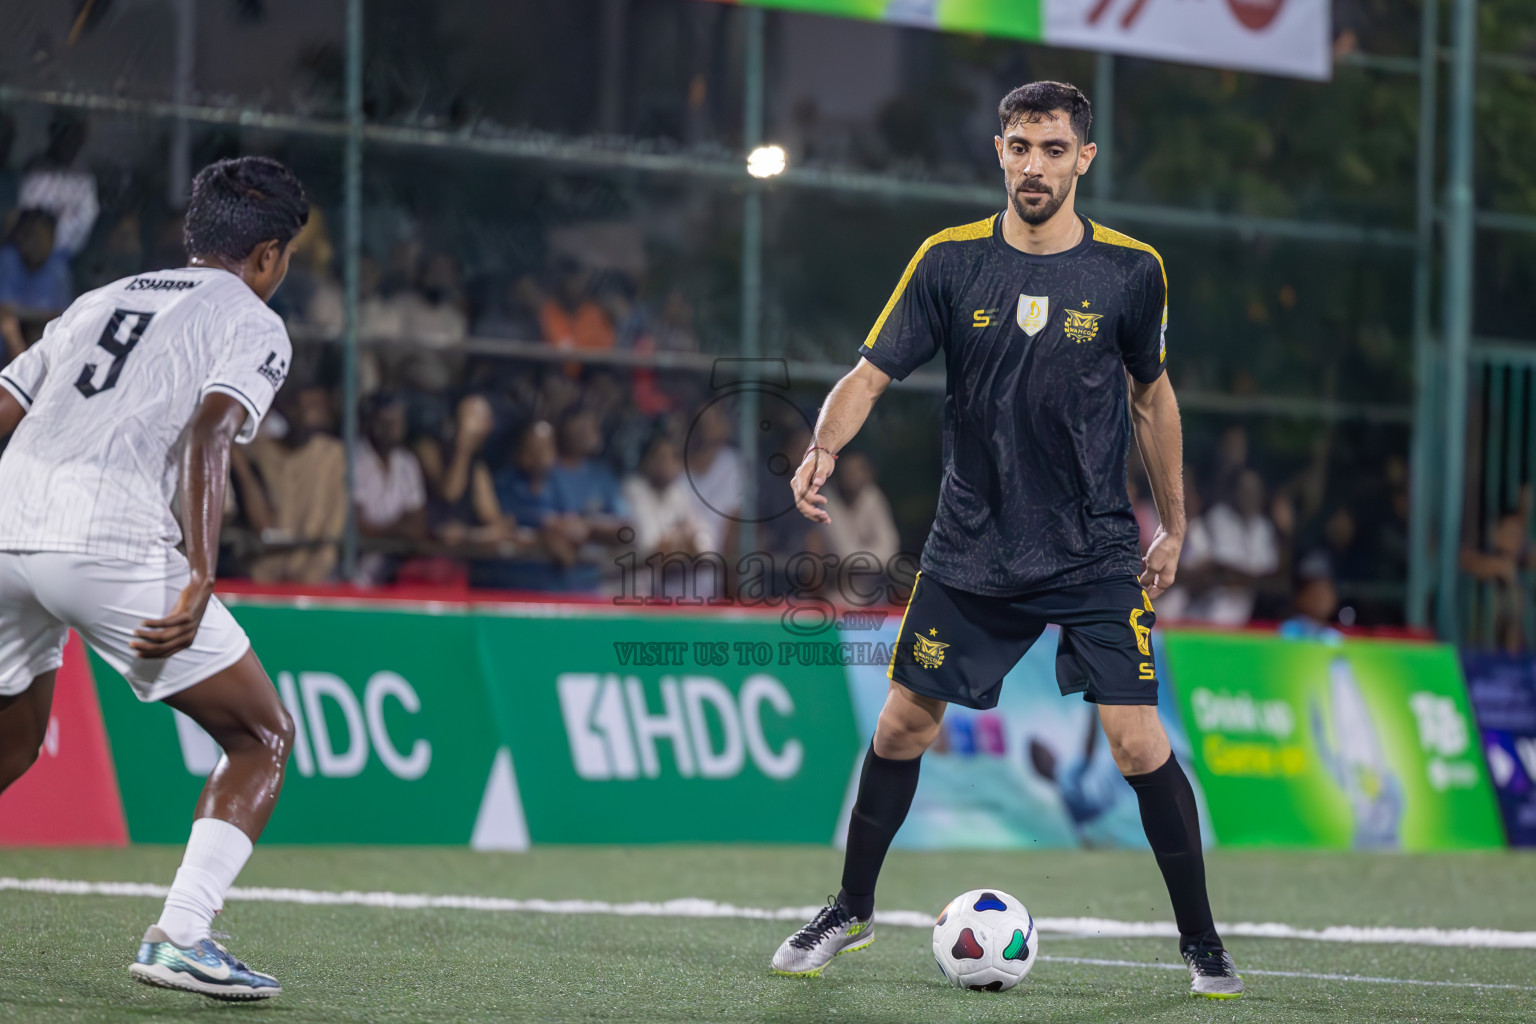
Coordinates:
[751,280]
[352,245]
[1421,460]
[1103,177]
[1457,305]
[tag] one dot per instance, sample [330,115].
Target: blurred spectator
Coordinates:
[434,309]
[514,315]
[52,183]
[557,393]
[672,328]
[1186,598]
[377,318]
[387,485]
[665,515]
[1314,601]
[1392,534]
[35,281]
[614,292]
[781,531]
[1273,602]
[33,273]
[585,489]
[607,399]
[714,472]
[431,312]
[1244,547]
[779,528]
[1505,556]
[116,255]
[582,484]
[572,318]
[294,491]
[627,422]
[1348,551]
[524,492]
[1231,459]
[464,508]
[861,515]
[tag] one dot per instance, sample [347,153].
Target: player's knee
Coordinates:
[268,735]
[1137,754]
[901,737]
[279,737]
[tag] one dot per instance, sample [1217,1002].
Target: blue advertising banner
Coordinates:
[1503,693]
[1033,772]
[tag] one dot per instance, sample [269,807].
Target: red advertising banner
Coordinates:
[69,797]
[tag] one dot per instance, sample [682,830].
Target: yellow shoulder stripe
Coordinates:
[1113,237]
[964,233]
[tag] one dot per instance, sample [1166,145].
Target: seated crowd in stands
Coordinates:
[493,467]
[1261,553]
[541,497]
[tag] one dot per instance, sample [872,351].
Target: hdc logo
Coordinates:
[361,724]
[613,732]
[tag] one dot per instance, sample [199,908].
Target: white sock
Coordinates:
[215,854]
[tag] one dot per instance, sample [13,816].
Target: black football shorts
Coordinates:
[957,647]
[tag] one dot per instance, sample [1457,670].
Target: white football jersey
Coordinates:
[109,390]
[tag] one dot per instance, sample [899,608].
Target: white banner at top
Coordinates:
[1281,37]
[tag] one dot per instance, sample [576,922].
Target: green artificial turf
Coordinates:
[63,958]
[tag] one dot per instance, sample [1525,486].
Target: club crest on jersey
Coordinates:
[1081,327]
[929,653]
[1034,311]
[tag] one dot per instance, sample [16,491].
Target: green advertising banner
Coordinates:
[395,740]
[1017,19]
[455,725]
[1285,37]
[1367,745]
[669,729]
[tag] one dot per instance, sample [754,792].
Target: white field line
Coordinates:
[1246,971]
[691,907]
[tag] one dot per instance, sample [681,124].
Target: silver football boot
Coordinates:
[832,932]
[1212,974]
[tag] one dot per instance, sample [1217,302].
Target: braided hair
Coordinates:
[238,204]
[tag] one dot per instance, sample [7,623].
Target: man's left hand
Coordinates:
[161,638]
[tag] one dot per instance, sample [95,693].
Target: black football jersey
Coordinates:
[1036,413]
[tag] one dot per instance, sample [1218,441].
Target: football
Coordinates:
[985,939]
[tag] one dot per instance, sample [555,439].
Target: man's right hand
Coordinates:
[814,470]
[476,420]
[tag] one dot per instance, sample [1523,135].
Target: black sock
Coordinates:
[1173,828]
[885,795]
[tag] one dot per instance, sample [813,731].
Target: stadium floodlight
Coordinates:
[767,161]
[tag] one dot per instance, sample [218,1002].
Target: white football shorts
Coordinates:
[45,594]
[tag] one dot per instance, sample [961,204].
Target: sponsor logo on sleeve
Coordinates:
[274,369]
